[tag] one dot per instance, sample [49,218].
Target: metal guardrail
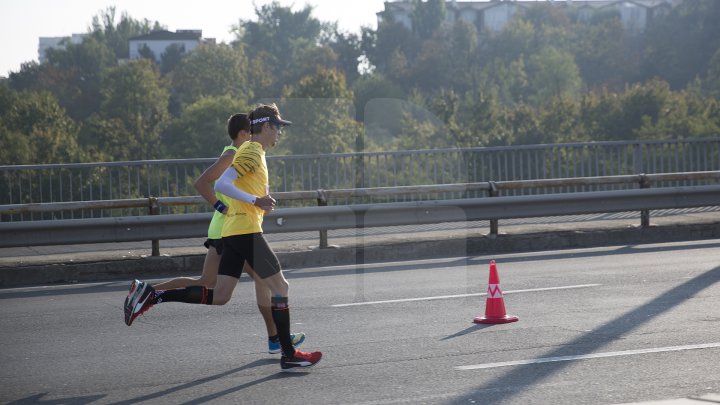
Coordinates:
[323,196]
[51,183]
[125,229]
[155,227]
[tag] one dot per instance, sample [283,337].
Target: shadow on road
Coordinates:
[468,330]
[160,394]
[81,400]
[212,397]
[37,399]
[590,342]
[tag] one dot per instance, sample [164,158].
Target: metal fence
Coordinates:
[170,178]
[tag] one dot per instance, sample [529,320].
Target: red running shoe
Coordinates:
[139,300]
[299,360]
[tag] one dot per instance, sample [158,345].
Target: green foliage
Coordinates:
[171,58]
[211,70]
[347,48]
[201,130]
[551,75]
[372,87]
[391,42]
[681,45]
[136,98]
[107,139]
[116,35]
[278,38]
[681,115]
[427,16]
[321,108]
[74,75]
[712,81]
[35,129]
[602,55]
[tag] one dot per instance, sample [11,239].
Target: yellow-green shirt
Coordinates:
[216,223]
[243,218]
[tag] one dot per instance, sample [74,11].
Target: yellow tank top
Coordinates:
[243,218]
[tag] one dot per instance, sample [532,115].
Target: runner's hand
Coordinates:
[265,203]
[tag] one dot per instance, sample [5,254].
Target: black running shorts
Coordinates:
[216,243]
[251,248]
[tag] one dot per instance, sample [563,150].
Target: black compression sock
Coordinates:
[281,316]
[191,295]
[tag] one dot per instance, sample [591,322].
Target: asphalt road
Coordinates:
[597,326]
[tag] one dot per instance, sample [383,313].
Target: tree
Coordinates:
[371,87]
[146,53]
[516,40]
[347,47]
[712,80]
[135,97]
[279,37]
[559,121]
[322,111]
[201,130]
[390,39]
[107,139]
[427,16]
[680,115]
[520,125]
[211,70]
[36,129]
[507,81]
[447,60]
[553,73]
[309,60]
[682,44]
[601,54]
[171,58]
[74,75]
[116,36]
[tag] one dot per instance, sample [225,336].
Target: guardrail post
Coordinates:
[154,209]
[493,192]
[322,202]
[644,214]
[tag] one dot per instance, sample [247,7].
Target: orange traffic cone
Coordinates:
[494,305]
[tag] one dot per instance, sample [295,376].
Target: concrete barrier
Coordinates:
[373,251]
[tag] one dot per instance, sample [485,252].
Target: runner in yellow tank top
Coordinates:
[243,240]
[238,127]
[238,249]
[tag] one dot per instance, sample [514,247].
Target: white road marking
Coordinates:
[444,297]
[589,356]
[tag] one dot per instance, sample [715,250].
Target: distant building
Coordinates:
[158,41]
[46,43]
[494,15]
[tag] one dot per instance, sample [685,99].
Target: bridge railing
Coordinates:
[155,226]
[55,183]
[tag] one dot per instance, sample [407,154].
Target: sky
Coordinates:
[22,22]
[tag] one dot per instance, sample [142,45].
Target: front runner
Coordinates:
[243,240]
[238,129]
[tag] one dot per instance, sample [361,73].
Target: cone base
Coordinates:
[494,320]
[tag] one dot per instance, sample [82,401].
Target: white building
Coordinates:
[494,15]
[159,41]
[45,43]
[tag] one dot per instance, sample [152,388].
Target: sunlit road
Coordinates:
[597,326]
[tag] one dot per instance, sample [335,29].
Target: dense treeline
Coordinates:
[547,77]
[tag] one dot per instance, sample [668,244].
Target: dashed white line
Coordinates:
[444,297]
[588,356]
